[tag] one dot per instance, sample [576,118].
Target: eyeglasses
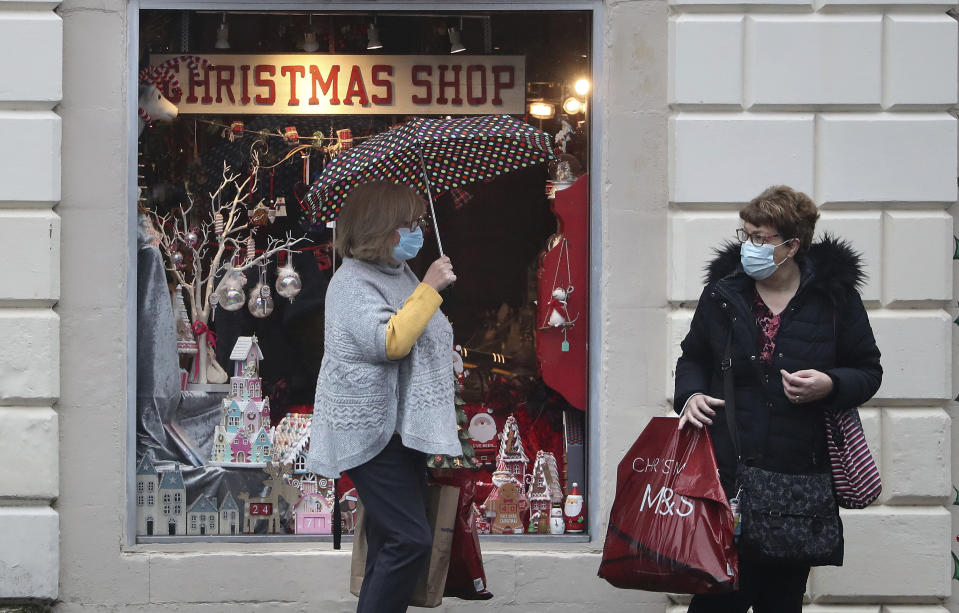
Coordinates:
[756,238]
[423,221]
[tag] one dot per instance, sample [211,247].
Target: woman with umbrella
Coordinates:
[384,396]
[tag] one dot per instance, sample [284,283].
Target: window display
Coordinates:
[254,128]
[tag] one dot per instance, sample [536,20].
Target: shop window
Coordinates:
[230,182]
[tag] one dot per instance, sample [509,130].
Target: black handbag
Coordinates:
[785,518]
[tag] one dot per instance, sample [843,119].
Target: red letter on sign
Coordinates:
[245,87]
[203,81]
[326,85]
[418,82]
[207,98]
[293,71]
[481,98]
[455,84]
[259,81]
[224,78]
[380,82]
[356,88]
[504,77]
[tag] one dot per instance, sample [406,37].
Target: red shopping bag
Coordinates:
[671,528]
[466,577]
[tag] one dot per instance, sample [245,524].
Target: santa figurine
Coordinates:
[573,511]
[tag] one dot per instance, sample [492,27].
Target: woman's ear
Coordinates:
[794,247]
[396,238]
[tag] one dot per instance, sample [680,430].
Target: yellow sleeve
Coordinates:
[409,322]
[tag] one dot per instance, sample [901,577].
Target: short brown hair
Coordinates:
[370,215]
[793,214]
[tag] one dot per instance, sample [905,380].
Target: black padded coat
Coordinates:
[824,327]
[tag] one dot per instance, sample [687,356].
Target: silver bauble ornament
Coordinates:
[261,303]
[191,239]
[177,258]
[232,298]
[288,282]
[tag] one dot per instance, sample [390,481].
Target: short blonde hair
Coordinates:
[370,215]
[793,214]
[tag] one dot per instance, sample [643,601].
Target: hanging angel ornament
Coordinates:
[558,312]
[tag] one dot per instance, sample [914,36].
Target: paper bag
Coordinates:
[441,504]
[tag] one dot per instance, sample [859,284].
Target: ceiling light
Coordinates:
[310,42]
[223,35]
[581,87]
[373,38]
[456,43]
[573,105]
[541,110]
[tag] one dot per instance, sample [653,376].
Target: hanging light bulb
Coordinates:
[373,37]
[581,87]
[541,110]
[573,105]
[456,43]
[223,35]
[310,43]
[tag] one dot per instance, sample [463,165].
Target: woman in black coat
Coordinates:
[801,342]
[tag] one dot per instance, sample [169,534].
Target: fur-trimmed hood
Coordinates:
[831,265]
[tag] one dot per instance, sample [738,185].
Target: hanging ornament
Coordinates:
[177,259]
[250,249]
[344,138]
[261,301]
[218,224]
[229,294]
[288,283]
[557,310]
[191,239]
[260,215]
[291,135]
[236,130]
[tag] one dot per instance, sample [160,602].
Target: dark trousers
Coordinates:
[767,588]
[392,488]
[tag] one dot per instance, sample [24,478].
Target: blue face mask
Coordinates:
[409,245]
[758,262]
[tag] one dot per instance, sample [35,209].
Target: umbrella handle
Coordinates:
[429,195]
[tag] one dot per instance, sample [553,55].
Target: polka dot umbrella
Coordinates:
[432,156]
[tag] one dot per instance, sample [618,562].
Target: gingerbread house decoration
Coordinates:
[202,517]
[229,515]
[243,436]
[544,488]
[147,487]
[172,498]
[511,451]
[291,441]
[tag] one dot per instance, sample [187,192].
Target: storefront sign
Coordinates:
[300,84]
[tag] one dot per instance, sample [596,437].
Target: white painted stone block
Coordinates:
[900,552]
[905,608]
[30,361]
[921,60]
[863,230]
[706,59]
[30,157]
[916,448]
[677,326]
[29,558]
[733,157]
[917,256]
[30,251]
[29,438]
[35,39]
[693,239]
[813,59]
[790,3]
[916,348]
[903,157]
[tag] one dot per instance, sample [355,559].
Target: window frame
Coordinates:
[594,166]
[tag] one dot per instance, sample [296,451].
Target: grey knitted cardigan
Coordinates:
[362,397]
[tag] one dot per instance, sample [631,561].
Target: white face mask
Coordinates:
[758,261]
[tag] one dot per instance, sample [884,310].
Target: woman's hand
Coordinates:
[698,410]
[806,385]
[440,274]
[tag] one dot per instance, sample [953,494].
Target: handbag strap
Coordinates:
[729,392]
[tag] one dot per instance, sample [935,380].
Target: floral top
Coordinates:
[768,326]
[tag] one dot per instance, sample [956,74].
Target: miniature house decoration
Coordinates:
[172,498]
[511,451]
[291,441]
[202,517]
[313,514]
[243,436]
[147,488]
[229,515]
[544,488]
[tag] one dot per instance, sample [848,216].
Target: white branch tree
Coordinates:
[227,223]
